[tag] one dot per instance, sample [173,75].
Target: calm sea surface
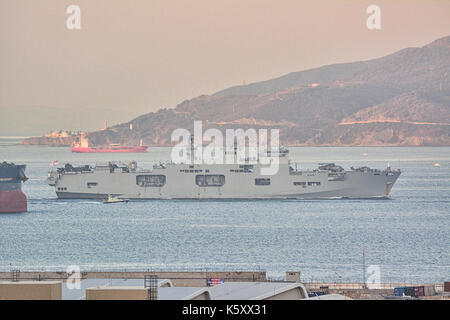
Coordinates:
[408,236]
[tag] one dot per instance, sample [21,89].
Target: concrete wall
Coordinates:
[31,290]
[117,293]
[179,279]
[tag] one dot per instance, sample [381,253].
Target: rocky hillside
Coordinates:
[56,142]
[399,99]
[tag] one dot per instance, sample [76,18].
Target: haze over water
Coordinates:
[406,236]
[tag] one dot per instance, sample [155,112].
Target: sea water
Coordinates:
[406,238]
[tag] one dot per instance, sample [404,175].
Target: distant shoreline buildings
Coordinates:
[64,134]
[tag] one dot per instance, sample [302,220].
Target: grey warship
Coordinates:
[220,181]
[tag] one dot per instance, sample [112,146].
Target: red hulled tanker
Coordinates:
[12,199]
[83,147]
[111,148]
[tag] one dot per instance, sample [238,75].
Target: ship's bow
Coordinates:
[12,199]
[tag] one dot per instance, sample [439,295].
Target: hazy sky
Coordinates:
[141,55]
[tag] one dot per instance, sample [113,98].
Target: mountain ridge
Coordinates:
[399,99]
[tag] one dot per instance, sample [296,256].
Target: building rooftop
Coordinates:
[183,293]
[332,296]
[29,282]
[80,294]
[256,290]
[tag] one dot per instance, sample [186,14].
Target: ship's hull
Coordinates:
[181,182]
[100,196]
[110,150]
[12,199]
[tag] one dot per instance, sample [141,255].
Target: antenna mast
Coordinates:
[364,270]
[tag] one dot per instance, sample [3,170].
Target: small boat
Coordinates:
[112,199]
